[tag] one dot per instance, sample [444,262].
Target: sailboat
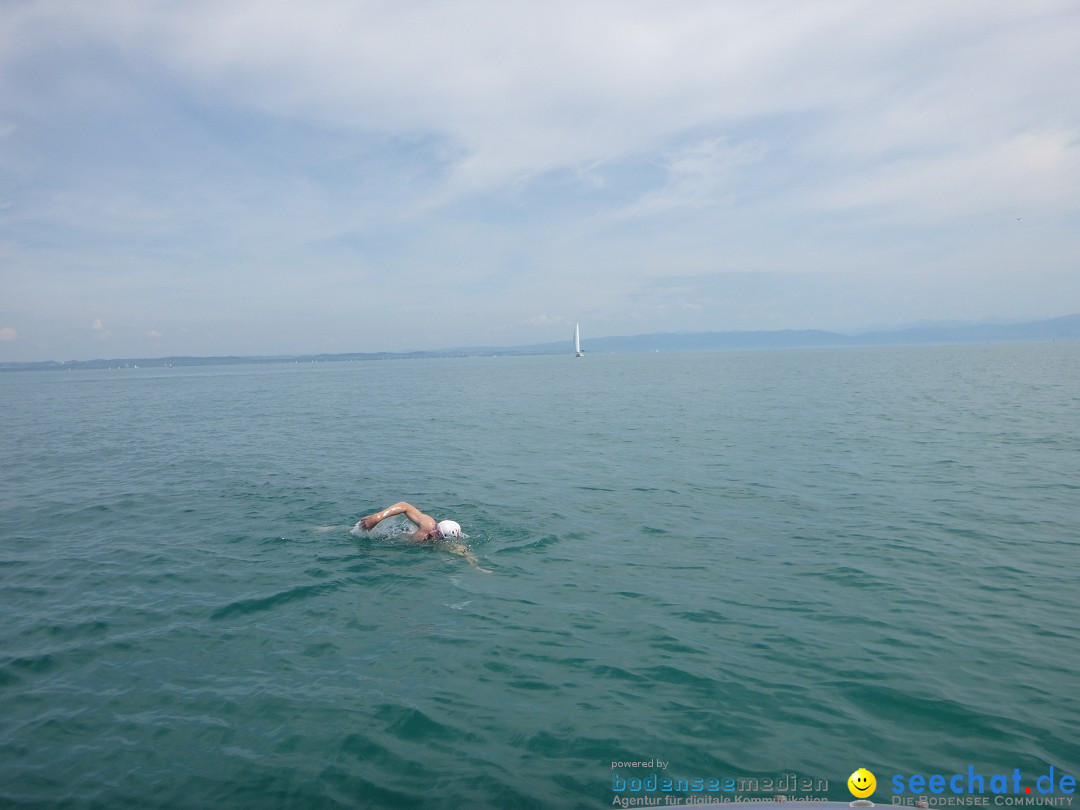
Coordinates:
[577,341]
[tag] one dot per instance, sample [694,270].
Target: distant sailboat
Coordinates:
[577,341]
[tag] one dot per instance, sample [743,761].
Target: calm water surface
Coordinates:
[745,564]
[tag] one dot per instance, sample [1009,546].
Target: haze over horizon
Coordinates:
[241,178]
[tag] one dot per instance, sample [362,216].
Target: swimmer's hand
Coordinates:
[462,551]
[370,522]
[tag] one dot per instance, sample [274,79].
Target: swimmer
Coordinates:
[427,529]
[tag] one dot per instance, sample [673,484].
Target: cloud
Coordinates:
[563,84]
[552,85]
[545,320]
[699,175]
[153,334]
[99,327]
[263,171]
[7,333]
[569,86]
[1025,173]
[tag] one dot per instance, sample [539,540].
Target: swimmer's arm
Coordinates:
[401,507]
[461,550]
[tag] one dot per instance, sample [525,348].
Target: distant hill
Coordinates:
[1065,328]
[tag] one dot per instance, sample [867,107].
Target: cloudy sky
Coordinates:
[266,177]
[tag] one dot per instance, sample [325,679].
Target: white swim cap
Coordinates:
[448,528]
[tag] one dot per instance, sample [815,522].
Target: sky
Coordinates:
[264,177]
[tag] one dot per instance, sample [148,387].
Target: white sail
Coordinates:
[577,341]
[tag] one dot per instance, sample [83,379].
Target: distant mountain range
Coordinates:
[1066,328]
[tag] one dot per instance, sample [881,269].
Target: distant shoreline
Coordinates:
[1066,328]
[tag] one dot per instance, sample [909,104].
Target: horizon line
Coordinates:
[946,332]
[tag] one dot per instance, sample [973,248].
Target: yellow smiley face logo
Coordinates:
[861,783]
